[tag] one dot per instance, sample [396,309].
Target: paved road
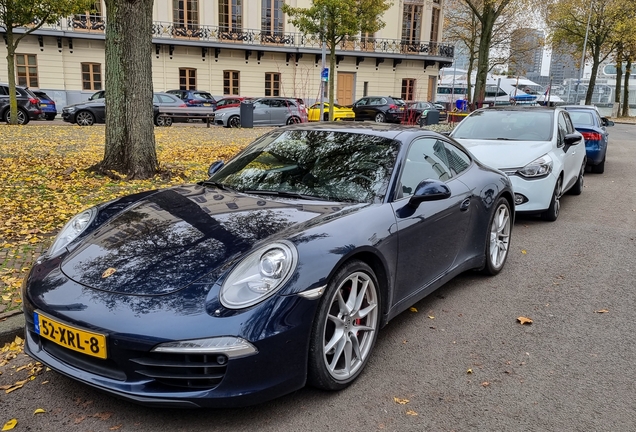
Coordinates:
[571,370]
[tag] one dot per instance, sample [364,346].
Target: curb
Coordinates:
[10,327]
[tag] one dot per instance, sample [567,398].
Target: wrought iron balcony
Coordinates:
[224,35]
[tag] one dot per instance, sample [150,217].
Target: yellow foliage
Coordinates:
[44,181]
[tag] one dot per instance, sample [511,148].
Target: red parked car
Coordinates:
[231,101]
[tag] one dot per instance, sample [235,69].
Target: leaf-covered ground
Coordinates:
[44,182]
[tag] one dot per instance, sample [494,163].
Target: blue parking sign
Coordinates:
[324,75]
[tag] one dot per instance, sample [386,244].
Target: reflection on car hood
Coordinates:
[172,238]
[506,154]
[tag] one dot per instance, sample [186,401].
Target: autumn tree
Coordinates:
[568,22]
[625,40]
[29,16]
[335,20]
[462,27]
[130,139]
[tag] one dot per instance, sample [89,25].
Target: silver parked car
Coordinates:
[267,111]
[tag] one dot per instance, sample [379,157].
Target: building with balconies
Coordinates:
[242,47]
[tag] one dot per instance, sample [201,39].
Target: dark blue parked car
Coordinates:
[47,105]
[592,126]
[195,98]
[277,271]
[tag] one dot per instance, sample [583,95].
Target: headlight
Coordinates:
[538,168]
[70,110]
[259,275]
[72,230]
[219,115]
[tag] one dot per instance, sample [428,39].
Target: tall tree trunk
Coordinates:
[616,108]
[130,138]
[13,101]
[485,38]
[596,62]
[628,72]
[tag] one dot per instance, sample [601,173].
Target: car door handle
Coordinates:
[465,205]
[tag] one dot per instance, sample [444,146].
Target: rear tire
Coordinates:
[600,168]
[293,120]
[380,118]
[578,186]
[23,116]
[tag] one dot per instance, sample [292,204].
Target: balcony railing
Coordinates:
[219,34]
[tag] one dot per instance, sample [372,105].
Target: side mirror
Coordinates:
[429,190]
[215,167]
[572,139]
[606,122]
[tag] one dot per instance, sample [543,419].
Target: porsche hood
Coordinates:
[170,239]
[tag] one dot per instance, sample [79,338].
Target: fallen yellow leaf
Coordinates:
[524,252]
[38,411]
[524,320]
[601,311]
[431,317]
[411,413]
[401,401]
[469,371]
[10,424]
[413,309]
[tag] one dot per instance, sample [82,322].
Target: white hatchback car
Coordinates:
[537,147]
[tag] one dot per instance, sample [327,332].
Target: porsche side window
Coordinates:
[427,159]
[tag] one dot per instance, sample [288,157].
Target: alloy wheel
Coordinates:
[84,118]
[350,327]
[499,236]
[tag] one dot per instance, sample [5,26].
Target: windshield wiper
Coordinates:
[218,185]
[285,194]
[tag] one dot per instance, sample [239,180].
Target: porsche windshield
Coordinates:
[509,125]
[328,165]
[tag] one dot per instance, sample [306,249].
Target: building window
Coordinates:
[26,70]
[272,17]
[187,79]
[92,19]
[185,13]
[231,15]
[408,89]
[272,84]
[91,76]
[412,22]
[231,82]
[435,24]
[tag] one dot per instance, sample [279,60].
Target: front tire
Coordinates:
[163,120]
[293,120]
[85,118]
[499,238]
[345,327]
[234,122]
[552,213]
[380,118]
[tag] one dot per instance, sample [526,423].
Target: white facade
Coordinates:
[387,63]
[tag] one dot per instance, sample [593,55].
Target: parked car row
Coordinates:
[28,104]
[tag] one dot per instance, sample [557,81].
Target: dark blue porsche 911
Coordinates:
[277,271]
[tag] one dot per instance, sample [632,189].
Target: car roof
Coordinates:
[385,130]
[520,108]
